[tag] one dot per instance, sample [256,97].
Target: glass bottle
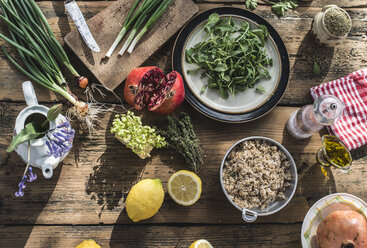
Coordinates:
[304,122]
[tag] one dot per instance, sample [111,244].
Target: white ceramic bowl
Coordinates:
[322,208]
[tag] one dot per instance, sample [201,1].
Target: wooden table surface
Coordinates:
[85,197]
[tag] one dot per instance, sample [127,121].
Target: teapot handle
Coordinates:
[47,171]
[29,94]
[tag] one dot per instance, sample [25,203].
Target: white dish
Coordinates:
[322,208]
[242,102]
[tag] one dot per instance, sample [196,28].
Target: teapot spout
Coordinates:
[47,171]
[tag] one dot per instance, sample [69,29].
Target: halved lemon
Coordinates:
[201,243]
[184,187]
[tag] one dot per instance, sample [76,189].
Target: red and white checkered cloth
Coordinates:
[352,91]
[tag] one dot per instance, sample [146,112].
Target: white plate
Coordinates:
[322,208]
[242,102]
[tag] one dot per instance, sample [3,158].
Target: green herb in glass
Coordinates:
[337,22]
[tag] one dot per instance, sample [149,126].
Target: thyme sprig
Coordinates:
[181,137]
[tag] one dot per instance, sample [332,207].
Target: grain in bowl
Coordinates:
[256,173]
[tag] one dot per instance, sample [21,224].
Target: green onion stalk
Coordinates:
[39,52]
[157,14]
[129,21]
[140,21]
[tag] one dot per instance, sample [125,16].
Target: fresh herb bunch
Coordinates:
[279,7]
[180,136]
[232,56]
[40,55]
[129,130]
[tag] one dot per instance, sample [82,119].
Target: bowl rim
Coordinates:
[324,198]
[281,147]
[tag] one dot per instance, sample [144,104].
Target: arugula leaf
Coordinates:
[279,8]
[316,68]
[232,56]
[221,67]
[261,89]
[251,4]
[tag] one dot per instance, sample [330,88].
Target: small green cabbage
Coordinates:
[129,129]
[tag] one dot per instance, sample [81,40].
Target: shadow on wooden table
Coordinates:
[310,173]
[118,169]
[309,52]
[23,211]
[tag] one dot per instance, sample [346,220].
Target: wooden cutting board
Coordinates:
[107,24]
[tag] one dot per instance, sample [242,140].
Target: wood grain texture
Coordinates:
[85,197]
[293,28]
[90,186]
[302,3]
[147,236]
[107,24]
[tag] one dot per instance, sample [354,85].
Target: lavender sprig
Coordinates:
[30,177]
[60,139]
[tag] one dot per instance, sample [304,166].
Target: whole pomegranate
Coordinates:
[342,229]
[149,87]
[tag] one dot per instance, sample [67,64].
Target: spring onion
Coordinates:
[39,52]
[125,26]
[159,12]
[153,4]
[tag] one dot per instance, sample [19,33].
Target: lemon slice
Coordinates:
[201,243]
[184,187]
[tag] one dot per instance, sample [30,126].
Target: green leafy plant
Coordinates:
[232,55]
[251,4]
[34,129]
[261,89]
[181,137]
[279,7]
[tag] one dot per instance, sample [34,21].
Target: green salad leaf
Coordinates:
[251,4]
[232,56]
[279,7]
[316,68]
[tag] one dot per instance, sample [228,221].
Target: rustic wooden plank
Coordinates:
[107,24]
[294,29]
[137,236]
[301,3]
[89,187]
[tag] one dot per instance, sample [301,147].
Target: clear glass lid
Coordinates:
[328,109]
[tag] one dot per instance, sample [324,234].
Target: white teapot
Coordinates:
[43,151]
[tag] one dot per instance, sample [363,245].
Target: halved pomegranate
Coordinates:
[149,87]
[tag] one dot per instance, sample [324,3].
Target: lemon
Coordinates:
[145,199]
[201,243]
[184,187]
[90,243]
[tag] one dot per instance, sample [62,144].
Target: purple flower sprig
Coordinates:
[60,140]
[30,177]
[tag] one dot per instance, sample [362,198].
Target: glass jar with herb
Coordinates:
[332,25]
